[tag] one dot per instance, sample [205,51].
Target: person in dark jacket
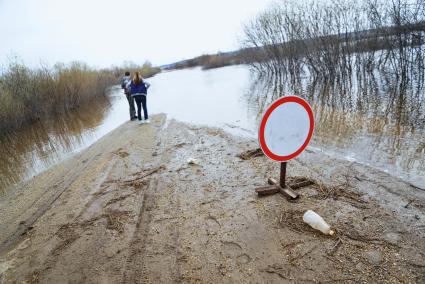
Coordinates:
[139,91]
[125,81]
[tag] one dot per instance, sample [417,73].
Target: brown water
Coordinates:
[38,146]
[377,128]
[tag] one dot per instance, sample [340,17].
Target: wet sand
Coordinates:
[129,209]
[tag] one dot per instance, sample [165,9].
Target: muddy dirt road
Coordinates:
[129,209]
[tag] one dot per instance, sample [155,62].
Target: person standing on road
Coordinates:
[139,90]
[125,81]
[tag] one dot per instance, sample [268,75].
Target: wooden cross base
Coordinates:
[288,190]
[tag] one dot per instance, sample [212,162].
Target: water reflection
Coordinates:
[376,118]
[36,147]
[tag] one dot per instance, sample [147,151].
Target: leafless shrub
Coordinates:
[292,39]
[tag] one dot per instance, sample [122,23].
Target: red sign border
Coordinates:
[266,116]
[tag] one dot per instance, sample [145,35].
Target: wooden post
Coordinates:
[282,175]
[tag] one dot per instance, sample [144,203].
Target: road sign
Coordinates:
[286,128]
[285,131]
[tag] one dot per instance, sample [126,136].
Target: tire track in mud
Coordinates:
[135,271]
[27,225]
[103,195]
[98,185]
[174,206]
[176,237]
[72,231]
[100,197]
[141,256]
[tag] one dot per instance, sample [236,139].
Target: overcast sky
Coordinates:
[107,32]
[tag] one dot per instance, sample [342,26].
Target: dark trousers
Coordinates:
[132,109]
[141,100]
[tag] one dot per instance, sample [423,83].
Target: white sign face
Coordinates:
[286,128]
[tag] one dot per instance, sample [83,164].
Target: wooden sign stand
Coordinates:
[286,189]
[296,109]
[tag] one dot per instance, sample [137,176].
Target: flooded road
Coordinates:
[229,98]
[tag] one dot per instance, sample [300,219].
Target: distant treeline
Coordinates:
[29,94]
[209,61]
[146,69]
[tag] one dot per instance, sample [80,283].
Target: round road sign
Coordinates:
[286,128]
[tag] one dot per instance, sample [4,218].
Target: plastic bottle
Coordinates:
[317,222]
[192,161]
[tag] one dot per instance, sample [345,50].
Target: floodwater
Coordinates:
[233,99]
[38,146]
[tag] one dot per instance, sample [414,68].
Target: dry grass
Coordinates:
[28,95]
